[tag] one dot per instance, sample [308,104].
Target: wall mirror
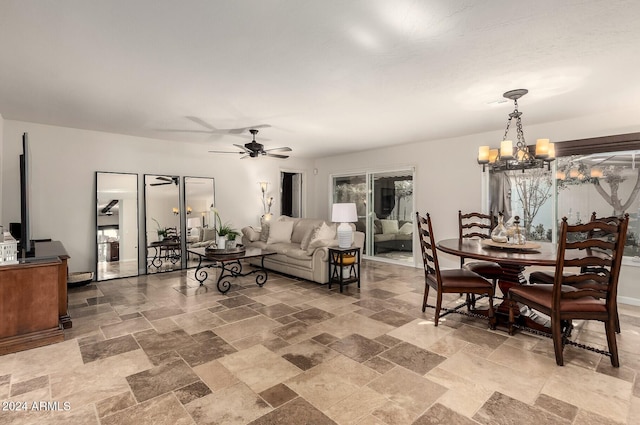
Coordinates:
[162,223]
[116,225]
[199,197]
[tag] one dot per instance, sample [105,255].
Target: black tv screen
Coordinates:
[26,245]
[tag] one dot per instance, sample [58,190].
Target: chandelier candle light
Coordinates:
[344,214]
[266,202]
[522,158]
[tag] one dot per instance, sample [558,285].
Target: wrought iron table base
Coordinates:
[228,269]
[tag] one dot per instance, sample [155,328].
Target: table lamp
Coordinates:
[344,214]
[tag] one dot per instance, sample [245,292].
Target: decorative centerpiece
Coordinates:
[226,234]
[499,233]
[162,231]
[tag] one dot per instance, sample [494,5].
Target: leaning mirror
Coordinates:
[199,195]
[116,225]
[162,223]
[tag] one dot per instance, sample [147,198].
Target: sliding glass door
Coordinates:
[384,201]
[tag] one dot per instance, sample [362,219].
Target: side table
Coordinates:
[344,266]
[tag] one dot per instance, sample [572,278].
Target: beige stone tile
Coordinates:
[352,323]
[84,415]
[245,328]
[332,381]
[165,325]
[198,321]
[447,346]
[421,333]
[634,410]
[463,395]
[525,361]
[215,375]
[236,405]
[590,391]
[97,380]
[354,408]
[46,360]
[162,410]
[494,376]
[408,389]
[259,367]
[126,327]
[371,420]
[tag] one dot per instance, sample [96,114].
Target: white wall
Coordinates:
[64,162]
[449,179]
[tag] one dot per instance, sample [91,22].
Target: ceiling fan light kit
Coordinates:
[254,149]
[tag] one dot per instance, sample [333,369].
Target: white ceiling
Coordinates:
[327,76]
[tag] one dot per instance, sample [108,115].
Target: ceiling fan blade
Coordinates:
[167,179]
[159,184]
[175,130]
[202,123]
[244,148]
[275,155]
[243,129]
[282,149]
[227,152]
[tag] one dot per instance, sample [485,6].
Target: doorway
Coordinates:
[291,194]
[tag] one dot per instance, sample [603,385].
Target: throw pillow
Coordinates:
[306,239]
[326,231]
[251,234]
[389,226]
[209,234]
[320,243]
[406,229]
[264,233]
[280,231]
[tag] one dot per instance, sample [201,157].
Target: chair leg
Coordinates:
[438,306]
[610,327]
[512,317]
[426,295]
[558,346]
[617,322]
[492,318]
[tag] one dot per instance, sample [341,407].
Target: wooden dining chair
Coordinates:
[476,225]
[597,249]
[547,277]
[448,281]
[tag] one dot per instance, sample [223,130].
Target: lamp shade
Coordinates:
[344,213]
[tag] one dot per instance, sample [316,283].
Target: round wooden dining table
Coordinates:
[512,259]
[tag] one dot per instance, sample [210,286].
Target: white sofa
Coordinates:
[302,255]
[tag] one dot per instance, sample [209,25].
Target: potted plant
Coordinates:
[225,232]
[162,231]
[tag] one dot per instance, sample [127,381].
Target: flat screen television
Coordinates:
[26,247]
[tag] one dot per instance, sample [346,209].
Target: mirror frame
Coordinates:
[137,230]
[177,265]
[185,210]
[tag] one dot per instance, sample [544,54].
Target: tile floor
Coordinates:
[159,349]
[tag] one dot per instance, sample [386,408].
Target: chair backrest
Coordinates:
[475,225]
[428,248]
[172,233]
[597,248]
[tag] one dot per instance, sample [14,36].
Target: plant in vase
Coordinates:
[162,231]
[225,232]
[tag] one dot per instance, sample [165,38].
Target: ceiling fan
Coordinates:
[254,149]
[210,129]
[165,180]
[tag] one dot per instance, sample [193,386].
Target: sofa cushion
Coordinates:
[389,226]
[208,234]
[306,239]
[301,227]
[251,234]
[320,243]
[298,253]
[280,231]
[406,229]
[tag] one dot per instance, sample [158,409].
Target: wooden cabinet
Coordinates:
[33,299]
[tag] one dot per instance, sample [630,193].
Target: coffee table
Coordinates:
[230,265]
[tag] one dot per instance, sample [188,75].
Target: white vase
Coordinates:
[222,240]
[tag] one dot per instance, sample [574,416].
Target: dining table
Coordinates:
[513,259]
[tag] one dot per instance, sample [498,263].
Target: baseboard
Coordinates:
[629,301]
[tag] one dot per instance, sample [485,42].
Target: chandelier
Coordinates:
[523,157]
